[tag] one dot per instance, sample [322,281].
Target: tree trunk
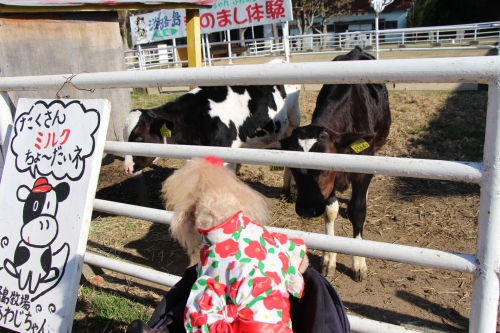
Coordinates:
[122,22]
[242,35]
[325,31]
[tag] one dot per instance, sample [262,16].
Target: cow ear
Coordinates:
[349,141]
[62,191]
[283,144]
[157,114]
[22,193]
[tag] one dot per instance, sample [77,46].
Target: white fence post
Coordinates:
[484,306]
[286,41]
[140,57]
[5,120]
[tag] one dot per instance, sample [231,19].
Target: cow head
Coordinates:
[314,187]
[142,126]
[40,226]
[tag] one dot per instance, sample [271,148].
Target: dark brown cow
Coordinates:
[345,115]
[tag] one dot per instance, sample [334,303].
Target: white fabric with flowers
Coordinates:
[245,276]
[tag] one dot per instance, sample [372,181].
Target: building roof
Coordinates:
[364,5]
[23,6]
[46,3]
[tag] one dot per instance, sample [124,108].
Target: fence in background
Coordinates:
[467,36]
[484,265]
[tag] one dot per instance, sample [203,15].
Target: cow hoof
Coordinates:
[360,276]
[329,271]
[329,264]
[359,268]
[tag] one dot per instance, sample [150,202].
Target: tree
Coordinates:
[307,10]
[123,22]
[449,12]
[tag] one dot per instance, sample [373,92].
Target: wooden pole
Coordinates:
[193,37]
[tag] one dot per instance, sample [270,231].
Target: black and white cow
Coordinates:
[224,116]
[347,117]
[33,258]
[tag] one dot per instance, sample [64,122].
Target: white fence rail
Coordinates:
[467,36]
[483,265]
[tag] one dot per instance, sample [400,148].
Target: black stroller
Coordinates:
[320,310]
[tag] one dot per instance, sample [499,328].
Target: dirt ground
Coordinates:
[417,212]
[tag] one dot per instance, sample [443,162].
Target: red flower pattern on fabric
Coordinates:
[198,319]
[264,287]
[297,241]
[255,250]
[286,311]
[282,238]
[226,248]
[216,287]
[274,301]
[284,260]
[231,226]
[246,314]
[205,302]
[232,265]
[260,285]
[205,250]
[221,326]
[268,237]
[246,221]
[233,290]
[274,276]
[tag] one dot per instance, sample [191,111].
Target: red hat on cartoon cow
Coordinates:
[41,185]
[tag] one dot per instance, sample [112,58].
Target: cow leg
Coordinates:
[289,185]
[356,211]
[330,258]
[142,189]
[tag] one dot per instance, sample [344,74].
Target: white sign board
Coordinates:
[46,198]
[157,26]
[224,15]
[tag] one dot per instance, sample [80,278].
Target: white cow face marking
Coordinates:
[307,144]
[130,123]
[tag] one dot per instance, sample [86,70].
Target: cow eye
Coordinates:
[35,206]
[138,139]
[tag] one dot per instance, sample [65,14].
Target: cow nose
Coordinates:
[305,211]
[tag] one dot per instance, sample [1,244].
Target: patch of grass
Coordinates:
[142,100]
[99,310]
[452,131]
[418,130]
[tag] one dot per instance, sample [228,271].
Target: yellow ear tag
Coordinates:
[165,132]
[359,145]
[276,168]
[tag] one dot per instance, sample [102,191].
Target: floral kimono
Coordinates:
[245,275]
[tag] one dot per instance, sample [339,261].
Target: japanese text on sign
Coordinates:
[224,15]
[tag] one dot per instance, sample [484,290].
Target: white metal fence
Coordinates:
[467,36]
[484,265]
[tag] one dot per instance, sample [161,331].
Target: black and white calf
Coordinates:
[224,116]
[348,119]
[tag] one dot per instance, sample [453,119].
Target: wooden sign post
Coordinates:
[46,197]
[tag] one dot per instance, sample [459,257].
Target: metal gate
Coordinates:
[484,265]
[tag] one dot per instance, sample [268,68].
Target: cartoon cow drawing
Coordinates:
[34,261]
[140,29]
